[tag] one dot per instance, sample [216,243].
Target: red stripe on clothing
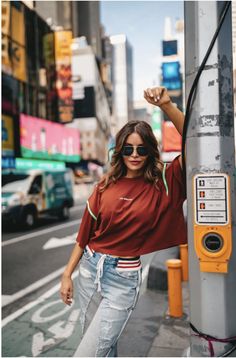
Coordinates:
[128,266]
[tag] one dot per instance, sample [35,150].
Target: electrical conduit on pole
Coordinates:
[211,183]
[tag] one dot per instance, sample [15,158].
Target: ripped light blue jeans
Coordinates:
[119,290]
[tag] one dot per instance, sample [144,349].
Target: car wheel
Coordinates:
[64,213]
[29,219]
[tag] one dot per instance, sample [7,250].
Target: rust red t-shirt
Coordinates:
[132,217]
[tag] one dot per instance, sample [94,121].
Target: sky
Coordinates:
[143,24]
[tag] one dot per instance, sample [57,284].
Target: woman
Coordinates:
[136,209]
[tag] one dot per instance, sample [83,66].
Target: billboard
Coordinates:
[169,48]
[171,139]
[17,25]
[17,49]
[171,78]
[170,70]
[24,164]
[49,58]
[6,59]
[13,41]
[7,136]
[18,61]
[41,139]
[6,17]
[63,54]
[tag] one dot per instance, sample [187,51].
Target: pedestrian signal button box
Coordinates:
[212,221]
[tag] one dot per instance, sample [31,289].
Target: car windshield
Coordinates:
[15,182]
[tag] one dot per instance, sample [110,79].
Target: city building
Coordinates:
[172,77]
[86,22]
[122,80]
[141,111]
[58,14]
[91,108]
[92,88]
[82,17]
[36,90]
[106,66]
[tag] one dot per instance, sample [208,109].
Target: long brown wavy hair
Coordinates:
[152,170]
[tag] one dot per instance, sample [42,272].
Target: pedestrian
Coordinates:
[135,209]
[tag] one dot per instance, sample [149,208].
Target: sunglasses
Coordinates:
[128,150]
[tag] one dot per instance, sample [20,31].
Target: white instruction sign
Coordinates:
[211,199]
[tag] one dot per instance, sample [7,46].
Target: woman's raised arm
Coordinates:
[158,96]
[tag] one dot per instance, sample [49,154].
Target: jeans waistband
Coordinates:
[92,252]
[121,263]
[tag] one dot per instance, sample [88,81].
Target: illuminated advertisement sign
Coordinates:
[169,48]
[13,40]
[17,25]
[8,163]
[172,85]
[49,58]
[41,139]
[24,164]
[170,70]
[63,54]
[17,49]
[171,78]
[6,17]
[171,139]
[7,136]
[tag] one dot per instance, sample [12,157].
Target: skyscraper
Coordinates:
[122,81]
[86,22]
[82,17]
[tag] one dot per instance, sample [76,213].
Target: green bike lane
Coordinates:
[46,327]
[43,328]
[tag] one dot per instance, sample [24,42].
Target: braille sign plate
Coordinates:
[211,199]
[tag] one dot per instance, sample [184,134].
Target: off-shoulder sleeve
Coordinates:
[90,218]
[174,181]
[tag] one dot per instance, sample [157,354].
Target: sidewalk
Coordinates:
[151,332]
[172,339]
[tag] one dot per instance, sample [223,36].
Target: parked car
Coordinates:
[26,195]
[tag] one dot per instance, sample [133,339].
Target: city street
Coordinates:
[35,321]
[126,109]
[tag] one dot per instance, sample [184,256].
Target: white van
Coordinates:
[26,195]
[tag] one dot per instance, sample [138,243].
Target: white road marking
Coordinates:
[40,232]
[45,296]
[61,330]
[37,315]
[7,299]
[30,305]
[58,242]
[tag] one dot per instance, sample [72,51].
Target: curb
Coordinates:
[157,274]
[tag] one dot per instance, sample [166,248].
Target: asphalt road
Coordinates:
[35,321]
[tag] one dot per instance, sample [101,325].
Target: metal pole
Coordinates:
[210,151]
